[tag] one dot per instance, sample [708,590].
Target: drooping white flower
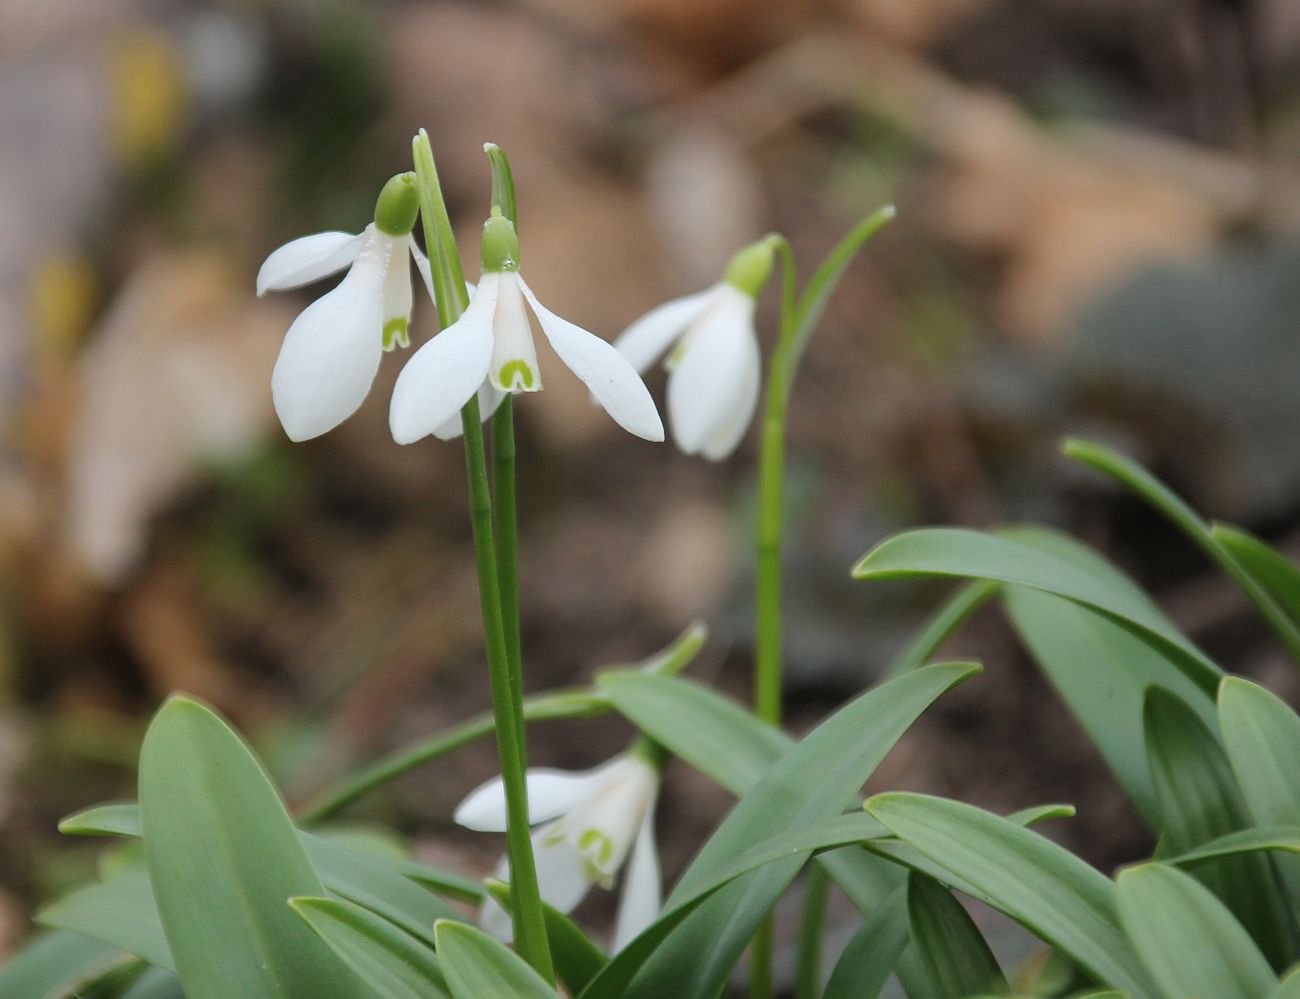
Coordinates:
[714,367]
[591,823]
[490,348]
[332,351]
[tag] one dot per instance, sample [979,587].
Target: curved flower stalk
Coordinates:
[332,351]
[715,367]
[591,822]
[490,350]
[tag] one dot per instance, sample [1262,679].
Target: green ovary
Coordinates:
[597,849]
[396,334]
[516,374]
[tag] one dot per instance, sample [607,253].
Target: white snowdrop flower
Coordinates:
[332,351]
[714,367]
[591,823]
[490,348]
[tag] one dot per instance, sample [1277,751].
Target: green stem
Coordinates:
[808,966]
[505,528]
[507,711]
[573,703]
[799,317]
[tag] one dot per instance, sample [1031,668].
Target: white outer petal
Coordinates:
[652,334]
[642,893]
[331,354]
[441,376]
[707,387]
[612,380]
[307,259]
[551,793]
[725,440]
[397,283]
[488,401]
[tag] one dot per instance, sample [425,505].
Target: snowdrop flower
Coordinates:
[593,821]
[714,367]
[491,348]
[332,351]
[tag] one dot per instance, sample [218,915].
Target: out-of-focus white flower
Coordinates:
[490,348]
[594,821]
[332,351]
[714,366]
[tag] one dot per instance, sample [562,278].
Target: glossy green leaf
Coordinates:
[1042,886]
[224,860]
[119,911]
[393,963]
[59,964]
[476,966]
[1182,516]
[1100,667]
[1199,802]
[1187,939]
[695,958]
[867,960]
[115,819]
[950,955]
[1262,737]
[577,959]
[711,732]
[959,552]
[955,611]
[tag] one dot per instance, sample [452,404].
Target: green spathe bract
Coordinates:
[224,860]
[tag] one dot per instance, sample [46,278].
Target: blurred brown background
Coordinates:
[1098,232]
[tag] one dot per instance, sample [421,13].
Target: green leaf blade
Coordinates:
[224,860]
[1187,939]
[476,966]
[394,964]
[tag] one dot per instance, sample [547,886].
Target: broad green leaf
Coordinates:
[1188,941]
[1199,802]
[59,964]
[959,552]
[1273,570]
[696,957]
[1262,736]
[864,967]
[120,912]
[951,958]
[1101,669]
[393,963]
[577,959]
[1044,887]
[224,860]
[712,733]
[476,966]
[379,881]
[1190,523]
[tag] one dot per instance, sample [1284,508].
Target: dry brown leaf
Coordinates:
[177,377]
